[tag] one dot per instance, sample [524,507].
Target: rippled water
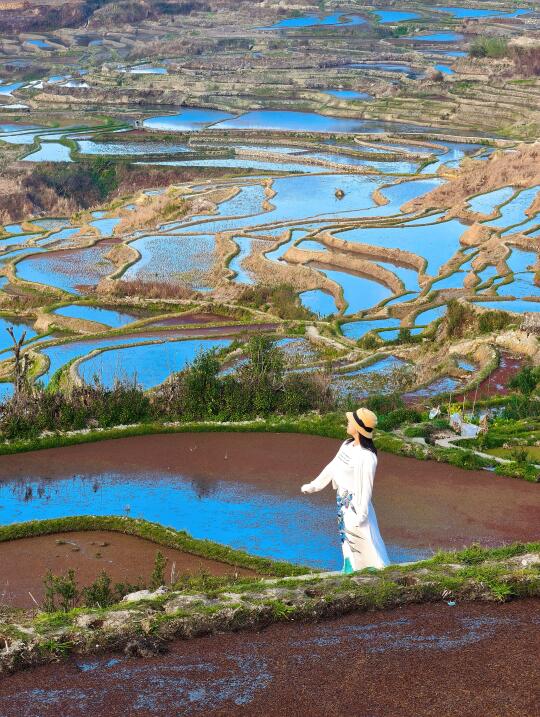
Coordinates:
[95,313]
[149,364]
[293,23]
[263,522]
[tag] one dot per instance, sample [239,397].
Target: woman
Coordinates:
[352,472]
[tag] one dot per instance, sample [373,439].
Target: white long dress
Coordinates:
[352,472]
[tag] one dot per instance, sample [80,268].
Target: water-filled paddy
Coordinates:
[128,148]
[385,67]
[109,317]
[489,272]
[187,119]
[519,306]
[445,69]
[244,250]
[67,270]
[289,121]
[520,260]
[514,211]
[19,328]
[16,239]
[296,23]
[307,197]
[476,12]
[409,277]
[447,384]
[436,243]
[50,224]
[486,203]
[426,317]
[384,365]
[391,16]
[521,287]
[149,364]
[348,94]
[173,258]
[50,152]
[244,490]
[6,391]
[358,329]
[318,301]
[243,163]
[359,292]
[438,37]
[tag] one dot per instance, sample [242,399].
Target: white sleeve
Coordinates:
[323,479]
[364,474]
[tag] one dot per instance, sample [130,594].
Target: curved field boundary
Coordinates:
[156,533]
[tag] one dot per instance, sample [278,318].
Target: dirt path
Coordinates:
[125,558]
[422,660]
[419,503]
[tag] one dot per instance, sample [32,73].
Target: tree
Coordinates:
[21,361]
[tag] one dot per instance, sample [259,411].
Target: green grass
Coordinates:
[533,451]
[155,532]
[475,573]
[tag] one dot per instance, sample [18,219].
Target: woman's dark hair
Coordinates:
[366,443]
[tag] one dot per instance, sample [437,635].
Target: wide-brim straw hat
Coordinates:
[365,420]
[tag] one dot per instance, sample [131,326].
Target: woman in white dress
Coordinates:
[352,472]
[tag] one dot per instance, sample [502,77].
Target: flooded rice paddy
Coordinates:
[328,195]
[219,487]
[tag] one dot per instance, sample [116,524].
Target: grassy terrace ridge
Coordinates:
[330,425]
[201,605]
[155,532]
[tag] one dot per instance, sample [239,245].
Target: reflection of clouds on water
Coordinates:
[243,516]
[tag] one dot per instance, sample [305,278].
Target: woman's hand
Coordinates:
[308,488]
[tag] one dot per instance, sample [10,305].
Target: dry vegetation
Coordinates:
[519,169]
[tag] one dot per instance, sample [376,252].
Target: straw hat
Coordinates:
[365,421]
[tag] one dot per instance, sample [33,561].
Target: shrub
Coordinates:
[369,341]
[382,404]
[158,573]
[489,47]
[395,418]
[520,455]
[526,380]
[60,592]
[283,298]
[99,593]
[493,321]
[458,318]
[202,387]
[86,182]
[521,407]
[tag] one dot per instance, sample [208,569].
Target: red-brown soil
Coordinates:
[418,503]
[198,318]
[496,384]
[125,558]
[471,660]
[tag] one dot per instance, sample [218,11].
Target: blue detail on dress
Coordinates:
[343,502]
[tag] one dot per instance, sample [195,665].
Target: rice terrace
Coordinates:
[251,254]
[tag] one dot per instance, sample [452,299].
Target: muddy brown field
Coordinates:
[422,660]
[125,558]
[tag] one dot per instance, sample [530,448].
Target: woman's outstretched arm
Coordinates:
[321,481]
[364,475]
